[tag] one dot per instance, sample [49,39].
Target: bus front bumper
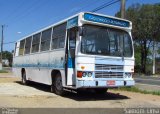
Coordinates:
[104,84]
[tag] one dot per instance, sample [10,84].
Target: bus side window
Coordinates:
[21,49]
[35,43]
[28,45]
[58,37]
[45,39]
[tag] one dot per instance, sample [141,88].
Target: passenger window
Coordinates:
[21,49]
[45,39]
[36,42]
[58,37]
[28,45]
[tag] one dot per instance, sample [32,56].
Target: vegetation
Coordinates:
[7,55]
[135,89]
[146,29]
[3,71]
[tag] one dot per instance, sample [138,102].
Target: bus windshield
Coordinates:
[106,41]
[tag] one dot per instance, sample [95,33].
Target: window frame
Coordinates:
[36,43]
[58,36]
[30,37]
[22,48]
[49,39]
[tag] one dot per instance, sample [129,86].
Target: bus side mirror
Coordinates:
[80,29]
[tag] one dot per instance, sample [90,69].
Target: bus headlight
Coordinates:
[81,74]
[128,75]
[84,74]
[89,74]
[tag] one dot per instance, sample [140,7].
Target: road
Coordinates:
[148,83]
[14,94]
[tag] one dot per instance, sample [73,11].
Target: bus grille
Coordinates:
[108,67]
[102,74]
[108,71]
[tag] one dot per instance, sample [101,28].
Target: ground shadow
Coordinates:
[89,96]
[35,85]
[82,96]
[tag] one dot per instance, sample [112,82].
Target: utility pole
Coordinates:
[123,4]
[1,47]
[154,56]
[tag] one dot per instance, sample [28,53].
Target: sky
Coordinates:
[23,17]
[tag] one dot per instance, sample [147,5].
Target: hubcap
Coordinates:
[59,83]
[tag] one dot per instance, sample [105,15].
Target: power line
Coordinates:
[9,42]
[25,12]
[94,10]
[105,5]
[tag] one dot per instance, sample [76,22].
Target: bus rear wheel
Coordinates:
[24,80]
[58,87]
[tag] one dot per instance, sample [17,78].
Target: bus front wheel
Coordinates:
[57,86]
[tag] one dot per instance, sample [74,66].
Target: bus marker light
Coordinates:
[79,74]
[82,67]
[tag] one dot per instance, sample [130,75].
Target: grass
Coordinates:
[3,71]
[137,90]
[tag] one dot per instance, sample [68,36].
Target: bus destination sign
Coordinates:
[105,20]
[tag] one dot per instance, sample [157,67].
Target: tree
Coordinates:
[8,55]
[146,27]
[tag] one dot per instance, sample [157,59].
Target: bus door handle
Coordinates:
[61,58]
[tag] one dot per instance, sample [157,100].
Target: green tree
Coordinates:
[146,27]
[9,56]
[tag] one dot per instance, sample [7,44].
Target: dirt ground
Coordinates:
[14,94]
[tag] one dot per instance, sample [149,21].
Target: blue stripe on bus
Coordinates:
[71,63]
[39,65]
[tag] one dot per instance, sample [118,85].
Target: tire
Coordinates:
[100,90]
[58,88]
[24,80]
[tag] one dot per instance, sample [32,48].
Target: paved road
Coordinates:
[148,80]
[148,83]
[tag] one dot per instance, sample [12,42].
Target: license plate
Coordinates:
[110,82]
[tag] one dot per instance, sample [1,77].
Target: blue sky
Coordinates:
[23,17]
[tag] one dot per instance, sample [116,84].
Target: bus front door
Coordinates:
[70,65]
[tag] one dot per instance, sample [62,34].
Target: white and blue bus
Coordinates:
[87,50]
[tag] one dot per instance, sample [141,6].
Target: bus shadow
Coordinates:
[89,96]
[39,86]
[82,96]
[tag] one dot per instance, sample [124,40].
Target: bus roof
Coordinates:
[76,15]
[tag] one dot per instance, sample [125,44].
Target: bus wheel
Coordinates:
[58,88]
[24,81]
[101,90]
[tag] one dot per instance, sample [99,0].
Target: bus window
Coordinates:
[45,39]
[35,43]
[58,36]
[72,42]
[28,45]
[21,49]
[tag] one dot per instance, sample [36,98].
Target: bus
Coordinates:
[86,51]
